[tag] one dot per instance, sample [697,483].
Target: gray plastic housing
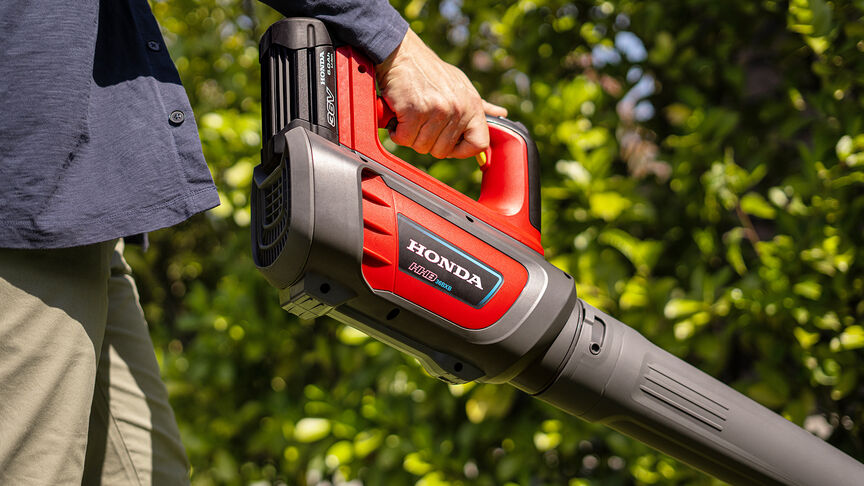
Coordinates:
[614,376]
[549,344]
[319,269]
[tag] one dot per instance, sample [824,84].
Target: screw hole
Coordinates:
[457,367]
[470,219]
[595,348]
[392,314]
[325,287]
[361,68]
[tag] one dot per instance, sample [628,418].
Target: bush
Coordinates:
[702,171]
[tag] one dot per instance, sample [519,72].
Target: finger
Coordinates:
[475,139]
[494,110]
[428,134]
[447,139]
[406,132]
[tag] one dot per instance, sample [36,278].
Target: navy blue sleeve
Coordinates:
[371,25]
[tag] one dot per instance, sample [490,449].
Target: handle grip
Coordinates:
[511,172]
[616,377]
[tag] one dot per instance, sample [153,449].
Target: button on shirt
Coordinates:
[97,137]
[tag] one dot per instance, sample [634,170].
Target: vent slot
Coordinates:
[664,387]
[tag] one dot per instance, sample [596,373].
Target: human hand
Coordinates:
[437,109]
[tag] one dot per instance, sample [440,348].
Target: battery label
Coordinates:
[326,86]
[432,259]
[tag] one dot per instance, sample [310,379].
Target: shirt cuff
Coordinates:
[372,26]
[380,43]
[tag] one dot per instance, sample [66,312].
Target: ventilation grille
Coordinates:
[271,215]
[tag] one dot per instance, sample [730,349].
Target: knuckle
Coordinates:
[457,111]
[439,106]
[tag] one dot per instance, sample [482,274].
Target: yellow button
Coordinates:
[481,159]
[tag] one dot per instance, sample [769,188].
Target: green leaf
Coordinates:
[608,205]
[415,464]
[805,339]
[367,442]
[852,337]
[643,254]
[311,429]
[677,308]
[754,204]
[341,452]
[809,289]
[546,441]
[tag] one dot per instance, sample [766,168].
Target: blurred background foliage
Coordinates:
[702,165]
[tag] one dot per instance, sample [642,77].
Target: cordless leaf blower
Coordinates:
[344,228]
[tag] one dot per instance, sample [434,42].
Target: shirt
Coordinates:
[97,137]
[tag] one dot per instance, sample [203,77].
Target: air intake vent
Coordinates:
[271,207]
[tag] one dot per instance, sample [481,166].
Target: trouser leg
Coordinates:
[53,306]
[133,433]
[73,341]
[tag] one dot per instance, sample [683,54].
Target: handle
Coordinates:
[511,174]
[511,170]
[358,130]
[617,377]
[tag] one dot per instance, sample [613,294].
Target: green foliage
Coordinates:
[702,180]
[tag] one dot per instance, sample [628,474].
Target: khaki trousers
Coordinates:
[81,398]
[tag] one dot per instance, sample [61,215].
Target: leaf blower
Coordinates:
[346,229]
